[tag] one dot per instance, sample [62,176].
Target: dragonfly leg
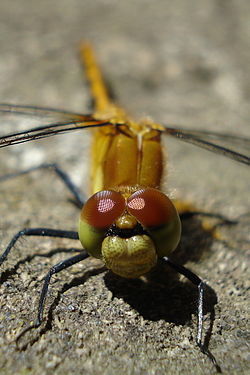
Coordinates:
[37,232]
[224,220]
[59,172]
[55,269]
[187,210]
[211,223]
[201,291]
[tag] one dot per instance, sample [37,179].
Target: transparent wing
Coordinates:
[49,122]
[232,146]
[35,111]
[52,122]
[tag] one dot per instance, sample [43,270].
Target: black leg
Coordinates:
[59,172]
[201,290]
[55,269]
[190,214]
[38,232]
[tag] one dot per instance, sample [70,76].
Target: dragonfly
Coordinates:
[128,222]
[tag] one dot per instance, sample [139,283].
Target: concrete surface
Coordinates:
[184,63]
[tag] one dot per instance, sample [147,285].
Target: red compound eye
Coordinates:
[103,208]
[151,207]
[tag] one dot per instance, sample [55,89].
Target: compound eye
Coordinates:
[151,207]
[103,208]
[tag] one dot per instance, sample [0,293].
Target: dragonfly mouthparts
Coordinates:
[126,232]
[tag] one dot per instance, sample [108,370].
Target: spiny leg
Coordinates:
[37,232]
[59,172]
[55,269]
[201,291]
[224,220]
[210,222]
[187,210]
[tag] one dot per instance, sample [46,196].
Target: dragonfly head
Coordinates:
[129,232]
